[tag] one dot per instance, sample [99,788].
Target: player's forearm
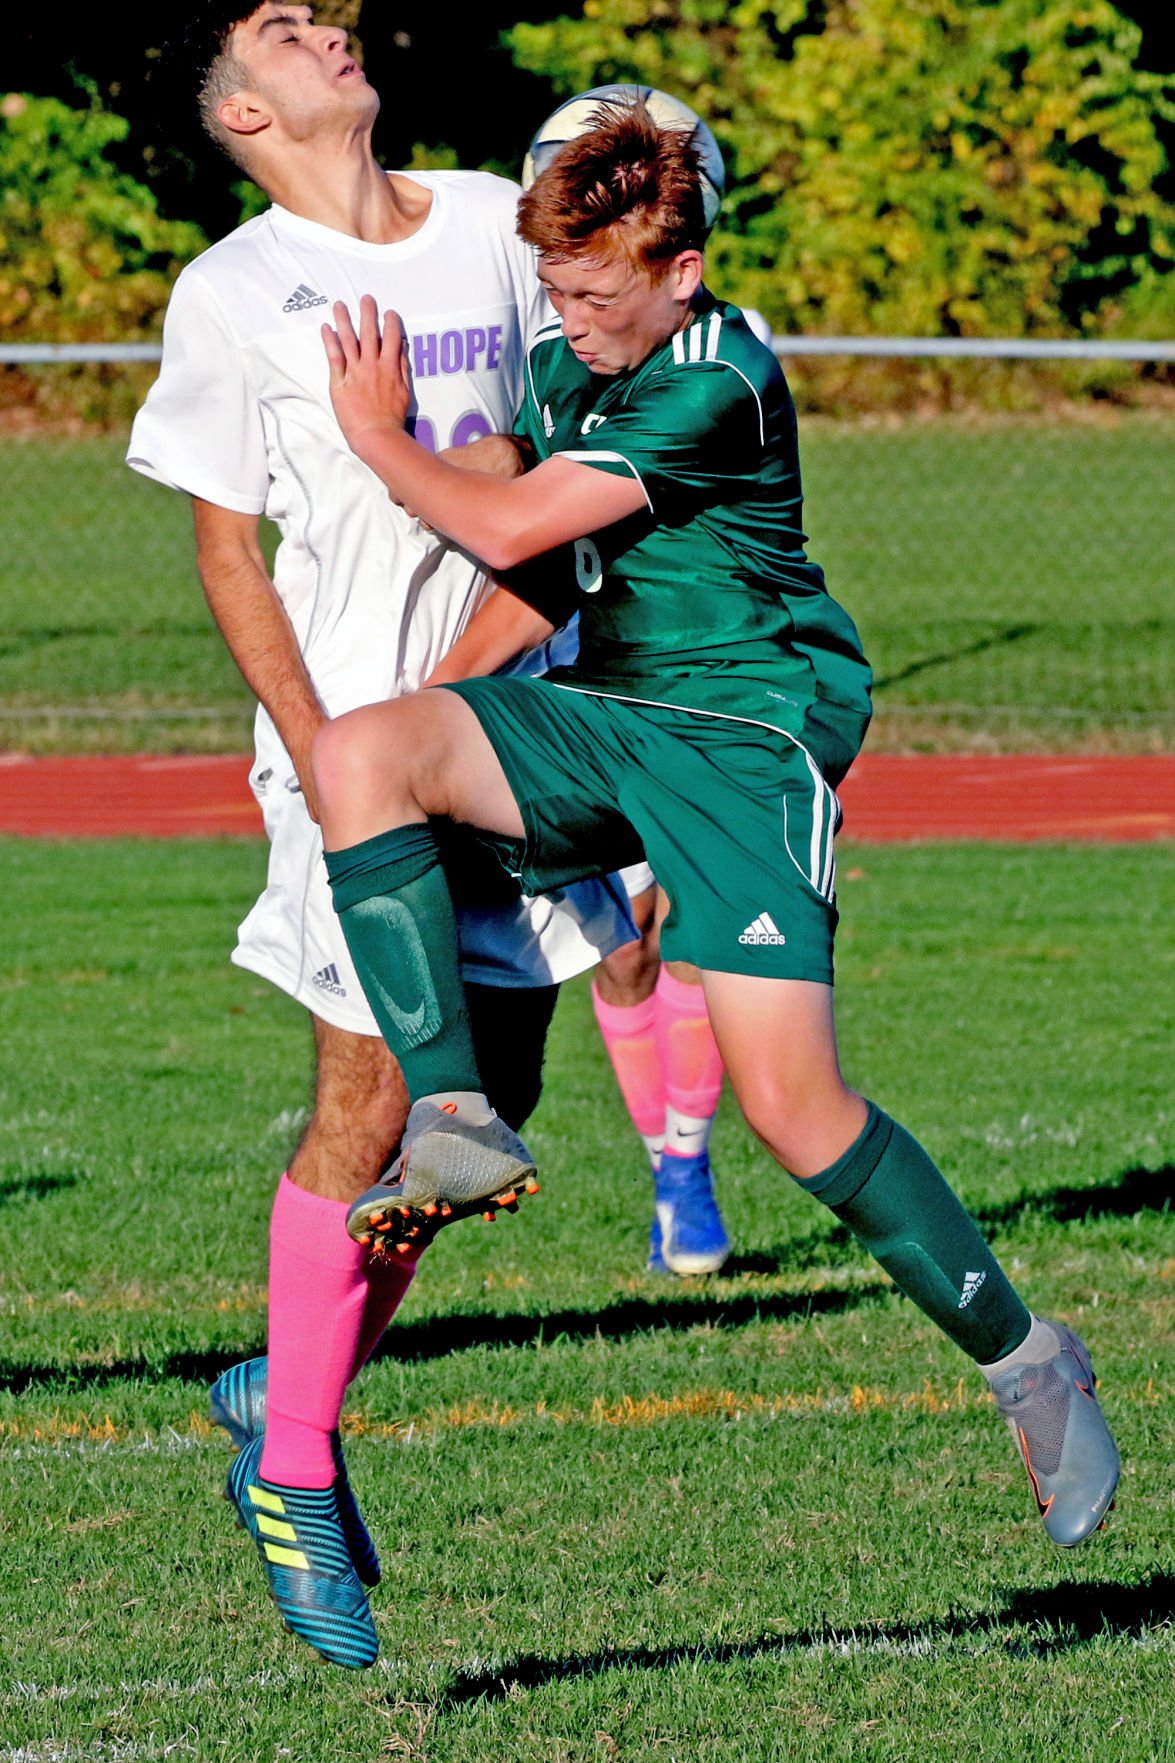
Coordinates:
[480,511]
[501,630]
[261,640]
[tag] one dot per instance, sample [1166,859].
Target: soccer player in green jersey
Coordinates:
[720,696]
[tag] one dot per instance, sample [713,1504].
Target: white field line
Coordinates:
[976,1644]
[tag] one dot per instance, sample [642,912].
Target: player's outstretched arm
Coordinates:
[502,523]
[253,622]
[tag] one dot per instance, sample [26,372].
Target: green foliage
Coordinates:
[84,252]
[85,256]
[943,167]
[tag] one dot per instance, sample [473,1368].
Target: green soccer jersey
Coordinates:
[705,599]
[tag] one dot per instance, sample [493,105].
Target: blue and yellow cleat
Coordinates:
[306,1560]
[237,1402]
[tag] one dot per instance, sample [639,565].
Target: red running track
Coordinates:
[886,797]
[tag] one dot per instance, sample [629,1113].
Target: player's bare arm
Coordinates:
[501,630]
[502,523]
[253,622]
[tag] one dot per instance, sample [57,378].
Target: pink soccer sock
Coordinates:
[388,1280]
[318,1293]
[628,1031]
[691,1062]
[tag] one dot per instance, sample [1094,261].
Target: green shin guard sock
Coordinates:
[893,1198]
[393,903]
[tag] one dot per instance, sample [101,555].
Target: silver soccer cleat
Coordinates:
[1061,1432]
[455,1160]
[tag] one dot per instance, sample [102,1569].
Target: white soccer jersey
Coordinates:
[240,416]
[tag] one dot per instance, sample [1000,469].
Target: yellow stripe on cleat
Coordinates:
[286,1557]
[263,1497]
[273,1527]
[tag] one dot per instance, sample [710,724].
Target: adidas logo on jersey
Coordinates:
[764,930]
[548,421]
[327,980]
[971,1284]
[303,298]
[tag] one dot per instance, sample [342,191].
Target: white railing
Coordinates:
[957,348]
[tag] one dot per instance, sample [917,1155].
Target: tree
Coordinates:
[929,167]
[84,252]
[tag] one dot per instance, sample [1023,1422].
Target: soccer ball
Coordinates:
[575,118]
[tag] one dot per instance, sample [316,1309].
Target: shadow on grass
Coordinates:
[36,1187]
[690,1305]
[436,1337]
[1124,1196]
[1128,1194]
[1063,1616]
[1001,639]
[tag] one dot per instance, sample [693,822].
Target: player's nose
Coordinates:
[333,39]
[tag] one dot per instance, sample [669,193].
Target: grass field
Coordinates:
[1012,579]
[766,1516]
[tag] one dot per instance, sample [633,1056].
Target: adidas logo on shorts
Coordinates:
[764,930]
[327,980]
[303,298]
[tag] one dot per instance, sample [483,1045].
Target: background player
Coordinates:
[653,1019]
[719,697]
[363,602]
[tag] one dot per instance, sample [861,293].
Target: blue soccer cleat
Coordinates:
[306,1560]
[693,1238]
[656,1260]
[237,1402]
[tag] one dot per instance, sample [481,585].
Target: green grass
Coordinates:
[766,1516]
[1012,579]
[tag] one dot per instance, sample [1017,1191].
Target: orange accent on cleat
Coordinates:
[375,1217]
[509,1198]
[431,1210]
[489,1217]
[403,1248]
[448,1107]
[532,1186]
[365,1241]
[446,1209]
[384,1224]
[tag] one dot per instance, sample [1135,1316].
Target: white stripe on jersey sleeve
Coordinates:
[594,458]
[688,349]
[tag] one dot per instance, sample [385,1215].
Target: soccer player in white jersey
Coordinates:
[362,604]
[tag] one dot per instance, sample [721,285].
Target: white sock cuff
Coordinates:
[1040,1343]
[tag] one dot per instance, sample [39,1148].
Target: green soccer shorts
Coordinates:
[736,819]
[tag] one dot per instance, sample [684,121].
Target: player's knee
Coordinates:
[627,976]
[340,758]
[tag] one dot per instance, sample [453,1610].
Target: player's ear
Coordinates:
[244,114]
[686,274]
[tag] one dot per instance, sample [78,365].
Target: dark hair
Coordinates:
[198,55]
[624,186]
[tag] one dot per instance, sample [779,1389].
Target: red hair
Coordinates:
[626,187]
